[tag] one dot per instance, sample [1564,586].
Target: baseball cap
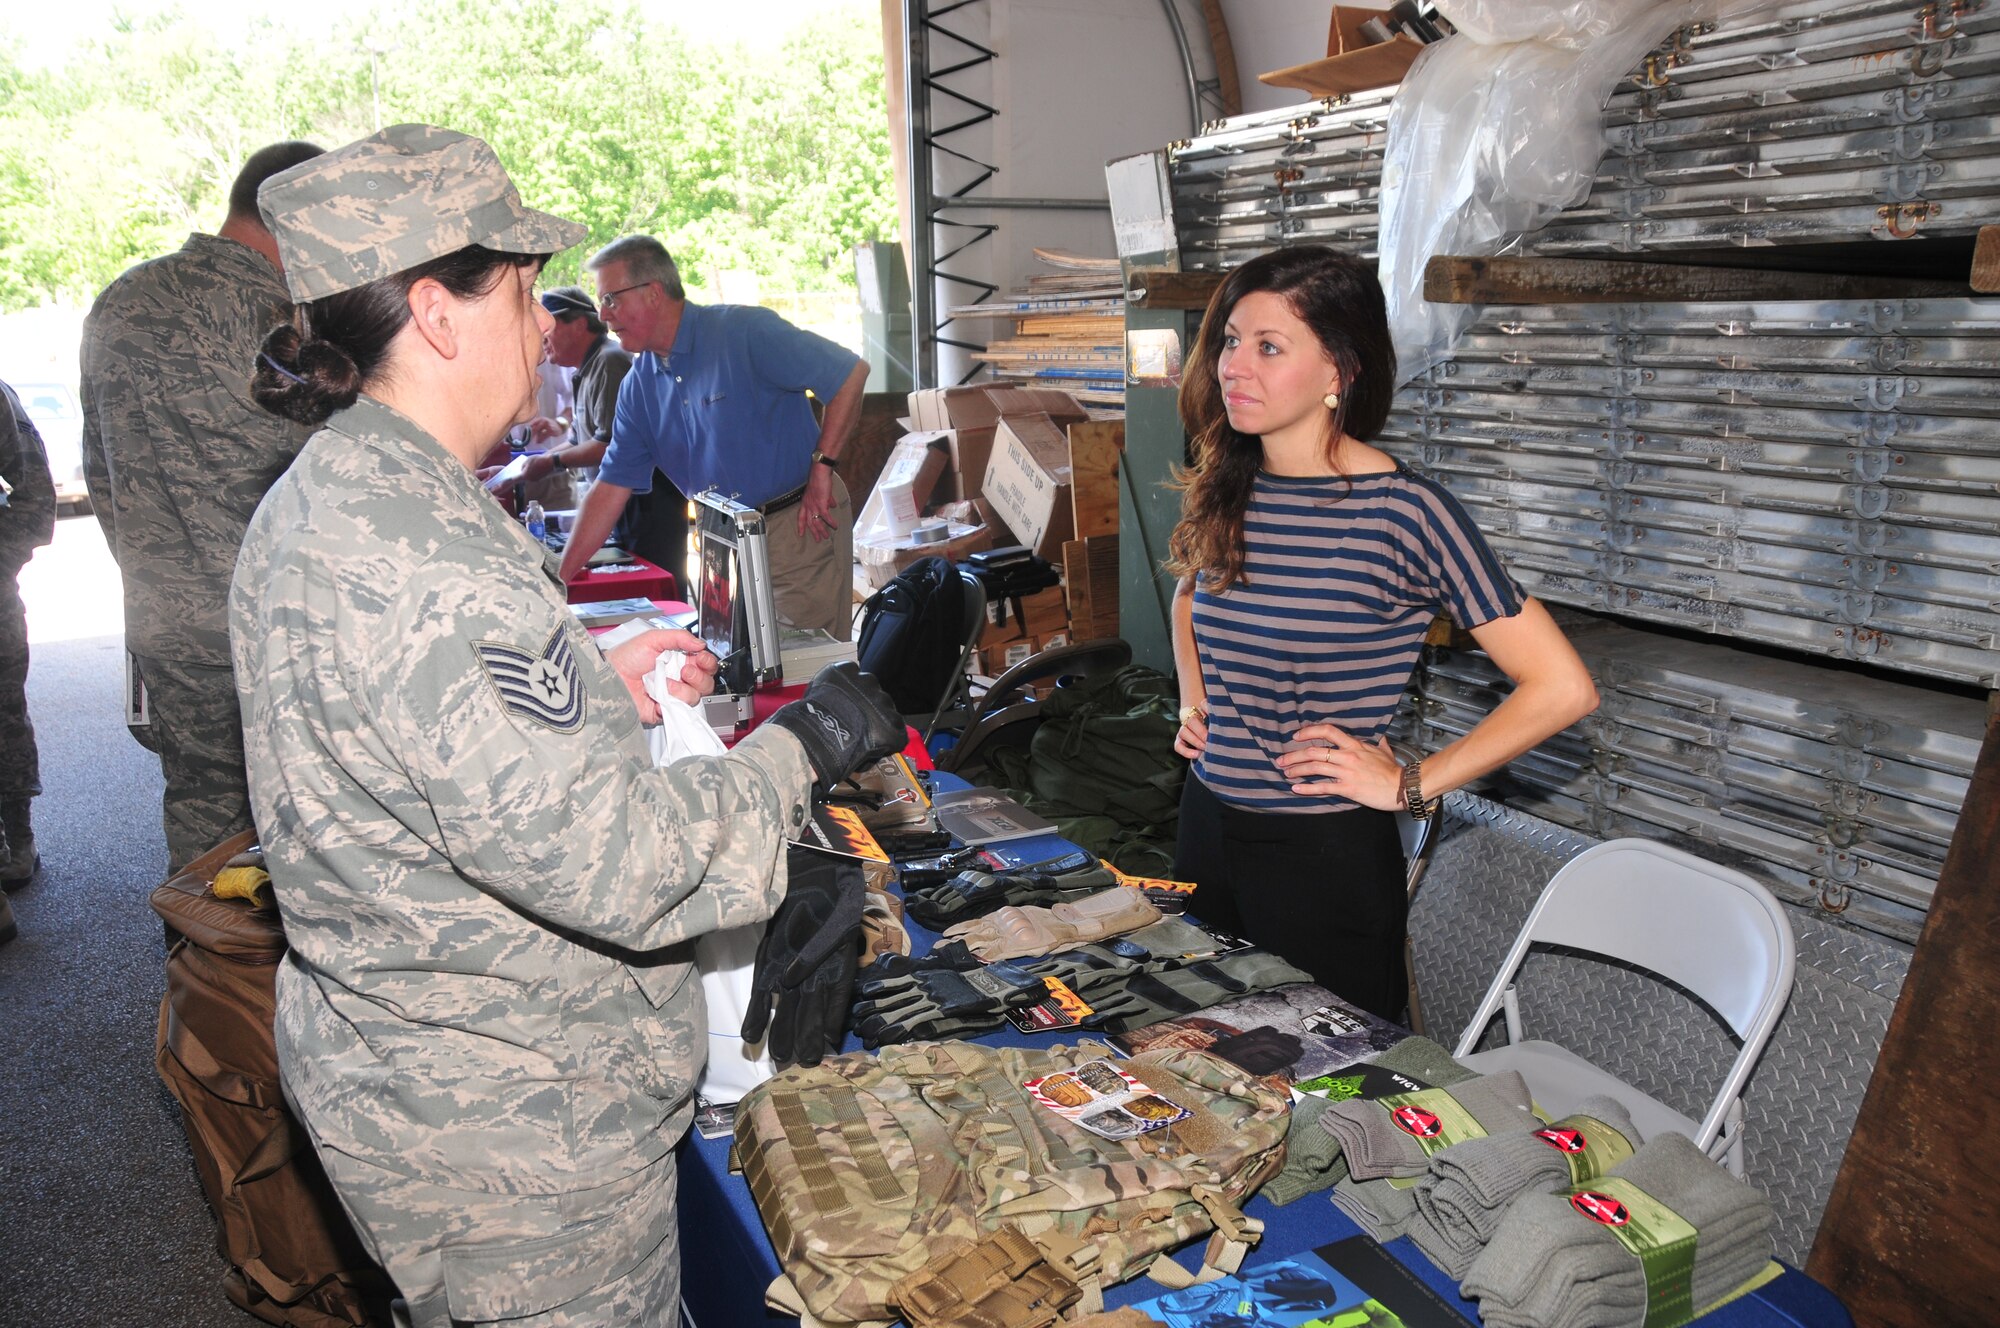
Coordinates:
[568,302]
[394,200]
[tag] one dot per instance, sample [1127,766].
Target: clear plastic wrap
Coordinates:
[1499,128]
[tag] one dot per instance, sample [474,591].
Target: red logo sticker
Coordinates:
[1564,1141]
[1416,1121]
[1601,1208]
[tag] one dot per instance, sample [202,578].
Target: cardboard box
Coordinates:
[1040,613]
[1016,652]
[877,562]
[1351,64]
[1028,482]
[1003,534]
[971,414]
[908,484]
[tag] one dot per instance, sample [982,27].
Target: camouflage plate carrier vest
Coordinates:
[865,1165]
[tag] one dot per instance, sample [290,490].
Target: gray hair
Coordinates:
[644,259]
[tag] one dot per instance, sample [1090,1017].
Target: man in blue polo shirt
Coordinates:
[717,400]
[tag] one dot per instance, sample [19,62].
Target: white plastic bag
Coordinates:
[1497,129]
[682,730]
[726,960]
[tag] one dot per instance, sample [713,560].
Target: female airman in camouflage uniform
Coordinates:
[487,1020]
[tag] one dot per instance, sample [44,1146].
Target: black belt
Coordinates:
[783,501]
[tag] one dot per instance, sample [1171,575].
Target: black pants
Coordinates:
[1324,890]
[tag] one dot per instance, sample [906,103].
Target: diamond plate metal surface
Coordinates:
[1487,869]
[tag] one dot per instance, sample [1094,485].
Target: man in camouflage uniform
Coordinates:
[176,455]
[27,521]
[488,1020]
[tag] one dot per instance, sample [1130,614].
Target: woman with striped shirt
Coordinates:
[1311,565]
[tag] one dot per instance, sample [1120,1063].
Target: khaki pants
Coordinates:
[813,580]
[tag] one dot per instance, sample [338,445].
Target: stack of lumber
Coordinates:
[1068,330]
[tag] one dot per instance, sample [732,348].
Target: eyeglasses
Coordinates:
[609,299]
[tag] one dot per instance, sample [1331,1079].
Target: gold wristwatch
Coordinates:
[1190,713]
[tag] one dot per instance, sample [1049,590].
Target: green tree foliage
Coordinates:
[774,160]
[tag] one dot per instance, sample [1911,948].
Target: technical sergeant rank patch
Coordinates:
[544,688]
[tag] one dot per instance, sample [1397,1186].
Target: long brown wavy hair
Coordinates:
[1340,300]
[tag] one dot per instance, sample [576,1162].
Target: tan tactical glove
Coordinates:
[882,929]
[1022,932]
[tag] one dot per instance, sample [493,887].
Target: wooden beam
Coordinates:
[1224,50]
[1986,260]
[1450,279]
[1911,1234]
[1164,288]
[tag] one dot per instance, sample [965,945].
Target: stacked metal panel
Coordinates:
[1819,123]
[1823,476]
[1307,174]
[1841,788]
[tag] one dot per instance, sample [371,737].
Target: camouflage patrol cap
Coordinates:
[398,198]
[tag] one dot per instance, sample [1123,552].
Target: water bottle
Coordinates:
[538,523]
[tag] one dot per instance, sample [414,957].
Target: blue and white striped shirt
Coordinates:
[1341,578]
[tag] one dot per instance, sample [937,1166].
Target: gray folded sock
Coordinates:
[1312,1156]
[1450,1247]
[1544,1248]
[1470,1184]
[1487,1173]
[1546,1263]
[1376,1148]
[1377,1207]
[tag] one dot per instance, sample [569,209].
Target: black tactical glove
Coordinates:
[902,1000]
[1174,989]
[973,893]
[803,985]
[844,720]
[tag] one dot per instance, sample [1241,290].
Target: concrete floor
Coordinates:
[101,1217]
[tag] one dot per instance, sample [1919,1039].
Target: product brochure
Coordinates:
[1335,1287]
[1301,1032]
[607,612]
[986,816]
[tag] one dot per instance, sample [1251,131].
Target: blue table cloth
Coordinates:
[727,1261]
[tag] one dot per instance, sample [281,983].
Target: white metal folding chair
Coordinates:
[1713,931]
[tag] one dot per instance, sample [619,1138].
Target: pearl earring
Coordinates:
[1332,400]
